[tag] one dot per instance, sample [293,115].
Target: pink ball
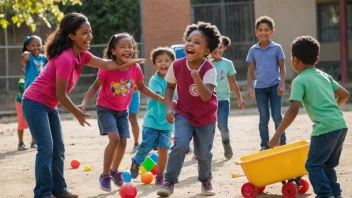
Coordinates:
[128,190]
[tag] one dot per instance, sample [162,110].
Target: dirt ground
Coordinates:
[85,144]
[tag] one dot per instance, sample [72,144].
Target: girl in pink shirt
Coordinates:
[67,52]
[116,90]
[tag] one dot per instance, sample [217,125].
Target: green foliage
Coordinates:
[109,17]
[29,11]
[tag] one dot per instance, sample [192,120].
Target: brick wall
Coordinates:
[164,22]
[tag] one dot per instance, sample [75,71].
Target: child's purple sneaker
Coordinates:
[117,178]
[159,179]
[134,169]
[105,183]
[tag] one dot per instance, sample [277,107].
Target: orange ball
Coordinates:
[147,178]
[75,163]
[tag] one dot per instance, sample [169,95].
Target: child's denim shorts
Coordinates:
[156,138]
[113,121]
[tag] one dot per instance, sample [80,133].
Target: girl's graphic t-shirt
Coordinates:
[34,66]
[117,87]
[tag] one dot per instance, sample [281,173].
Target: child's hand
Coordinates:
[170,116]
[195,74]
[136,61]
[274,141]
[280,89]
[174,103]
[240,103]
[81,117]
[251,94]
[82,106]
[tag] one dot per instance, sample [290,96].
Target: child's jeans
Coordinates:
[203,137]
[45,126]
[324,155]
[263,96]
[223,118]
[151,138]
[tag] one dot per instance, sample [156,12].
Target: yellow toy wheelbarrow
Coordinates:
[285,164]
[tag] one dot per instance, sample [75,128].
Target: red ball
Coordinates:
[128,190]
[75,163]
[155,170]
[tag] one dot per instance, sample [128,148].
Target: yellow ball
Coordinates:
[234,175]
[87,168]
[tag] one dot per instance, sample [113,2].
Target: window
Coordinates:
[329,21]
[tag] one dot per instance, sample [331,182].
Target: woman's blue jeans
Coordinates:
[44,124]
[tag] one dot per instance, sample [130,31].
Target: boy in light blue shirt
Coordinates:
[266,58]
[156,130]
[317,91]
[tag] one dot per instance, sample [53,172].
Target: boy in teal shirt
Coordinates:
[317,91]
[156,130]
[225,80]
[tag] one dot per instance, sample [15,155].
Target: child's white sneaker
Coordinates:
[207,188]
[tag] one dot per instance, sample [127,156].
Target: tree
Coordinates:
[30,11]
[109,17]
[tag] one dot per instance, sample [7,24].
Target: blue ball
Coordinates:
[127,176]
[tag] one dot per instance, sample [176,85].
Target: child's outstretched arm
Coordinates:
[286,122]
[250,76]
[204,90]
[342,96]
[169,94]
[236,90]
[90,94]
[146,91]
[24,60]
[108,64]
[281,88]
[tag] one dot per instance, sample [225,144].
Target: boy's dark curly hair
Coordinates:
[211,32]
[265,19]
[306,49]
[162,50]
[226,41]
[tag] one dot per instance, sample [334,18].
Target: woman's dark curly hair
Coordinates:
[59,41]
[211,32]
[113,42]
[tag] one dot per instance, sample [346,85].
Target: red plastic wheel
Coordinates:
[304,187]
[289,190]
[248,190]
[261,189]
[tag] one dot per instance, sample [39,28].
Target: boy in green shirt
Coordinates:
[317,91]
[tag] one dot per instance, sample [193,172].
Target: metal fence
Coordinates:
[235,19]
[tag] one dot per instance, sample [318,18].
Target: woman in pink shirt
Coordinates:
[67,52]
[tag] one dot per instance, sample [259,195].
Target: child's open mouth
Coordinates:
[163,68]
[190,51]
[126,55]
